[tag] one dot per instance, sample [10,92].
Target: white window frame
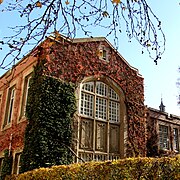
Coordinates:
[175,139]
[9,106]
[103,96]
[163,137]
[25,94]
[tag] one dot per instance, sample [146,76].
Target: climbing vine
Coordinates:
[7,164]
[72,62]
[50,108]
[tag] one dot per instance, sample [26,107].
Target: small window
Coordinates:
[176,140]
[17,163]
[103,53]
[163,137]
[9,106]
[25,94]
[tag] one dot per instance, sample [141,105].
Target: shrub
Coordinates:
[129,169]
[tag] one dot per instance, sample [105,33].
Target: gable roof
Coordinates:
[74,41]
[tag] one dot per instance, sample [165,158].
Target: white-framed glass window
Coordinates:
[101,98]
[163,137]
[100,117]
[9,106]
[175,140]
[17,165]
[25,94]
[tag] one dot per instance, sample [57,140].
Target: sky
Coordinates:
[159,80]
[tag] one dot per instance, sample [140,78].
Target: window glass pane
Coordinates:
[101,89]
[113,94]
[9,106]
[88,87]
[87,102]
[101,108]
[86,134]
[25,94]
[17,163]
[176,142]
[114,139]
[163,137]
[113,111]
[101,135]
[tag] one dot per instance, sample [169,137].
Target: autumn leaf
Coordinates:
[116,1]
[67,2]
[38,4]
[1,1]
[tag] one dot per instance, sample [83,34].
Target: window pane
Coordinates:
[9,106]
[113,94]
[88,87]
[114,139]
[176,141]
[87,102]
[114,111]
[17,163]
[86,134]
[101,108]
[163,137]
[101,135]
[25,94]
[101,89]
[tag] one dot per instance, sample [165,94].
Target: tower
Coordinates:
[162,107]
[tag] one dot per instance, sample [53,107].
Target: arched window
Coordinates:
[100,111]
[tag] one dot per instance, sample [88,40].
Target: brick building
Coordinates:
[110,122]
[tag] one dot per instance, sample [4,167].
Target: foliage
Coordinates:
[72,62]
[39,18]
[7,164]
[50,108]
[131,169]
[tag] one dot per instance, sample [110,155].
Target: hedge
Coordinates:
[126,169]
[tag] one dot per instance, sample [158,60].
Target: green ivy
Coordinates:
[7,164]
[50,107]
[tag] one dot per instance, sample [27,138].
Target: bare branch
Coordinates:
[70,17]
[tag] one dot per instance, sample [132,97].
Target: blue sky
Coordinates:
[159,80]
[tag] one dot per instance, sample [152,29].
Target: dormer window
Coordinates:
[103,53]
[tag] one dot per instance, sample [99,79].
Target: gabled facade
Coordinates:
[110,121]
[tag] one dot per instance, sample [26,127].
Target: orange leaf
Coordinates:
[67,2]
[38,4]
[116,1]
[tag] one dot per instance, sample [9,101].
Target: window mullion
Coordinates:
[94,119]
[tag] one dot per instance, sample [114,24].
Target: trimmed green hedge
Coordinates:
[126,169]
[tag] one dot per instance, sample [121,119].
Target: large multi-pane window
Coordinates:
[176,141]
[25,94]
[9,106]
[163,137]
[100,118]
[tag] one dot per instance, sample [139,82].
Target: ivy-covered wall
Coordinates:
[50,107]
[72,62]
